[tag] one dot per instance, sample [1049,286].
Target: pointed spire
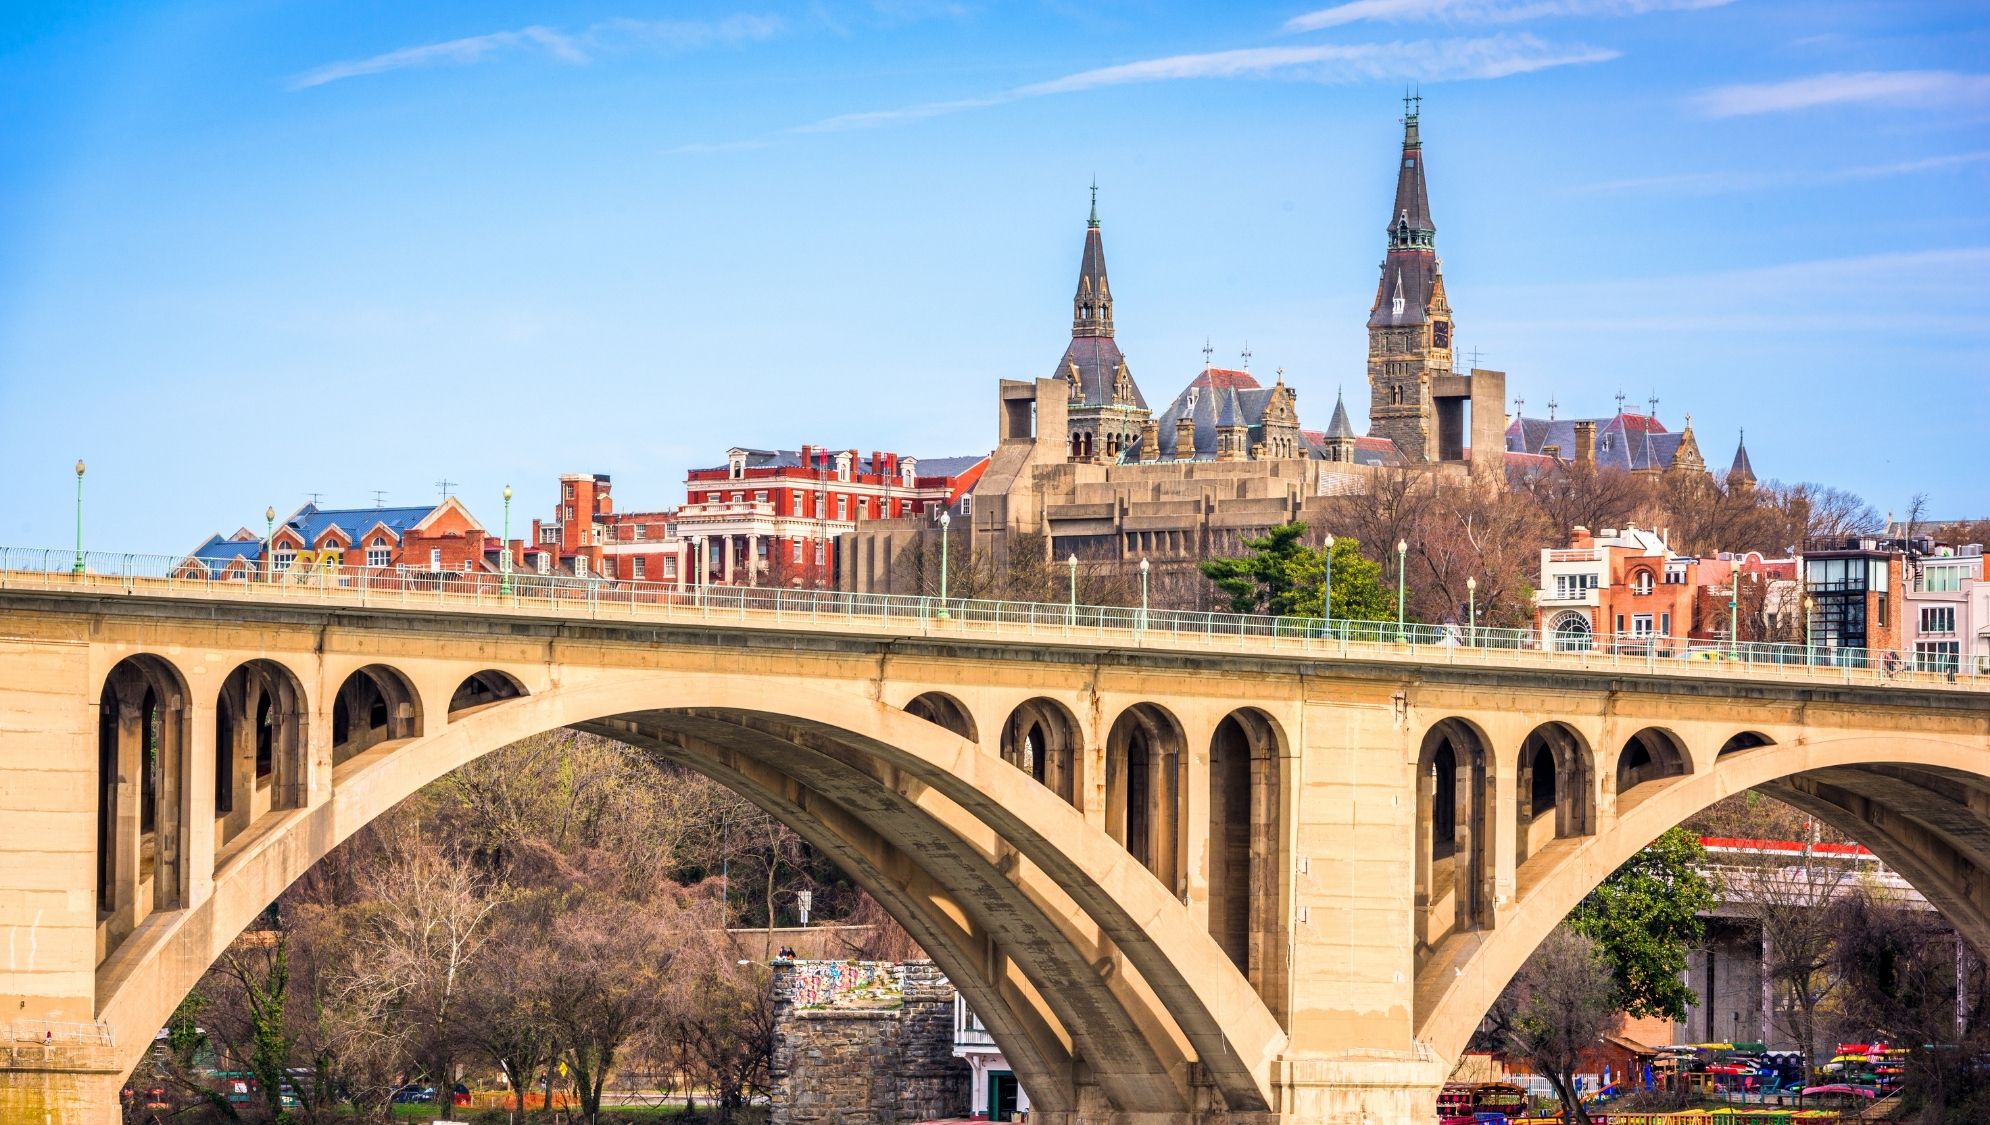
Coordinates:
[1091,307]
[1410,226]
[1741,472]
[1339,427]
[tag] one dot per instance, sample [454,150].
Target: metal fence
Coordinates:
[603,598]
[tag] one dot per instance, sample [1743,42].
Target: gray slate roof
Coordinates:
[1627,441]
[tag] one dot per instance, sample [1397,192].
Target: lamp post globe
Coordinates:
[1402,557]
[504,546]
[946,521]
[1143,594]
[1072,562]
[269,541]
[1472,599]
[1327,586]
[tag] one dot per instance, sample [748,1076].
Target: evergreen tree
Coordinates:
[1281,575]
[1644,917]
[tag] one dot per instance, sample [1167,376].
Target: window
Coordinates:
[608,567]
[608,532]
[1940,580]
[545,562]
[642,532]
[570,490]
[760,496]
[378,555]
[1675,574]
[967,505]
[1620,623]
[670,566]
[1641,582]
[842,507]
[284,556]
[1641,623]
[1883,599]
[864,508]
[1938,619]
[795,504]
[435,558]
[798,551]
[1665,624]
[818,552]
[580,566]
[570,513]
[739,497]
[549,534]
[636,568]
[1937,656]
[711,497]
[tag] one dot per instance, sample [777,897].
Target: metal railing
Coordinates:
[898,614]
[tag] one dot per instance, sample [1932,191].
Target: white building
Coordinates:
[993,1092]
[1947,618]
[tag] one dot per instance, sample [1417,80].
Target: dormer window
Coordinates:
[1396,305]
[736,466]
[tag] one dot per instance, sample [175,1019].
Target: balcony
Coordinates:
[1589,596]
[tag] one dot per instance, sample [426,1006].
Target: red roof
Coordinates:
[1222,377]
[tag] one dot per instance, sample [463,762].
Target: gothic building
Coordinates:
[1415,399]
[1106,411]
[1225,415]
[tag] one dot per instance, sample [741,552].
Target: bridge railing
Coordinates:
[563,595]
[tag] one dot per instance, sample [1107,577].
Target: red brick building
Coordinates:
[772,517]
[588,538]
[437,538]
[1623,587]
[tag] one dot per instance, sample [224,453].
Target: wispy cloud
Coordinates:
[1483,11]
[1879,87]
[1725,182]
[1422,60]
[607,35]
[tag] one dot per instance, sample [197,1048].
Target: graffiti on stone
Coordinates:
[847,984]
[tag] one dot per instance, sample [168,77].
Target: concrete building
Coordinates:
[1947,613]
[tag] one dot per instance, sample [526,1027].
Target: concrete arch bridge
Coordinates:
[1182,877]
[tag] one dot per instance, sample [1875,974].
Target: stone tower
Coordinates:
[1107,412]
[1409,327]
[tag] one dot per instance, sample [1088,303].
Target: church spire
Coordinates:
[1091,307]
[1410,226]
[1741,472]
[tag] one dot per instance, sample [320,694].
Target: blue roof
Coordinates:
[311,521]
[218,552]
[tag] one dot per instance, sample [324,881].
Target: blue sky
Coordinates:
[250,251]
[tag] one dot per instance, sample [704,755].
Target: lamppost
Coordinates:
[1809,640]
[1734,612]
[946,521]
[1472,600]
[1072,562]
[269,543]
[1402,559]
[1327,590]
[79,515]
[1143,595]
[504,583]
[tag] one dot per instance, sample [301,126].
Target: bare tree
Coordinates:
[1561,1003]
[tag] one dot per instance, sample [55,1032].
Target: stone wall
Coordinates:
[864,1056]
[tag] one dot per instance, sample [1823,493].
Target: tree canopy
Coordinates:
[1645,917]
[1281,575]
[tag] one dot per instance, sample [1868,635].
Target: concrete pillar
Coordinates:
[197,768]
[1198,849]
[1512,809]
[727,550]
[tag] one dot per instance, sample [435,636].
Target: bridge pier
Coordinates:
[63,1084]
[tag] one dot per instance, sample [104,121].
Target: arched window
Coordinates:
[1572,633]
[1641,582]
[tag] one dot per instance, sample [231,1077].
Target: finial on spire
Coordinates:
[1653,400]
[1620,402]
[1247,355]
[1689,421]
[1518,403]
[1552,407]
[1281,376]
[1094,220]
[1207,352]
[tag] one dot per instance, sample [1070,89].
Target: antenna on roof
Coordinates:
[1247,355]
[445,484]
[1475,358]
[314,497]
[379,498]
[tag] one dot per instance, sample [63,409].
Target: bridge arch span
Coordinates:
[1921,804]
[944,710]
[1117,980]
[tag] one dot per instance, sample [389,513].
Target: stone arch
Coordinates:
[941,709]
[1145,753]
[1652,754]
[142,800]
[261,722]
[1554,792]
[375,704]
[1746,740]
[1041,738]
[1245,843]
[1920,804]
[481,689]
[1454,866]
[1121,969]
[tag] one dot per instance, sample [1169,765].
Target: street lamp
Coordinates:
[269,543]
[946,521]
[1809,641]
[1072,562]
[1327,590]
[1472,599]
[1402,558]
[1143,595]
[504,583]
[79,515]
[1734,612]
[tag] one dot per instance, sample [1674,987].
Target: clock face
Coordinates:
[1440,333]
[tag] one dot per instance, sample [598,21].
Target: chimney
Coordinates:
[1185,437]
[1585,444]
[1579,537]
[1150,440]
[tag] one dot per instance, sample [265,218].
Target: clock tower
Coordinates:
[1409,326]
